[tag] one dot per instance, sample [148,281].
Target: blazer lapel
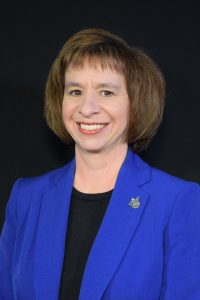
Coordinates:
[51,234]
[117,228]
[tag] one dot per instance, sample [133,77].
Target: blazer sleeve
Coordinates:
[7,243]
[181,275]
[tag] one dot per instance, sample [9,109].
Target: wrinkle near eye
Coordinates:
[75,93]
[106,93]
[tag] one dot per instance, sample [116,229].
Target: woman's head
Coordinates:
[144,82]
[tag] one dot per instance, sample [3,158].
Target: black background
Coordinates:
[31,37]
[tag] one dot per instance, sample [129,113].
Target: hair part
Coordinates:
[144,82]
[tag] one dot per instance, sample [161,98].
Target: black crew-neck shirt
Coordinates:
[85,217]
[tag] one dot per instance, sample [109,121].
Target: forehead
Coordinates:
[94,69]
[96,62]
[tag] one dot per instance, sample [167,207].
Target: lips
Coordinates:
[91,128]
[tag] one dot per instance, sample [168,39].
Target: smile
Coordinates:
[91,128]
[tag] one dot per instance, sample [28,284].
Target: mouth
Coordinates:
[91,128]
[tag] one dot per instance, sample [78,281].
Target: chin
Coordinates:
[91,148]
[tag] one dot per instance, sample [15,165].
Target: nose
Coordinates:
[89,105]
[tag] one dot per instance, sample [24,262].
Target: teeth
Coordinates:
[91,127]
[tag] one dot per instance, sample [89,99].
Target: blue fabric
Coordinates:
[147,253]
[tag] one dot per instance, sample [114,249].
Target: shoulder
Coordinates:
[172,201]
[33,187]
[166,191]
[162,181]
[168,182]
[181,193]
[46,180]
[27,194]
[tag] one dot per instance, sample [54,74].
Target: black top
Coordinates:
[85,216]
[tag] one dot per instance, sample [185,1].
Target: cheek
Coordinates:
[122,113]
[69,115]
[64,111]
[67,110]
[66,118]
[65,115]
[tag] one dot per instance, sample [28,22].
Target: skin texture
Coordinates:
[96,96]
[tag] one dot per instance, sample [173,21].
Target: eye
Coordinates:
[75,92]
[106,93]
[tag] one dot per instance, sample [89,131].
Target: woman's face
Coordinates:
[95,108]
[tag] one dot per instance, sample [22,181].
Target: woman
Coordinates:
[106,225]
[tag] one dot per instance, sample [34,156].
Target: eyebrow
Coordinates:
[109,85]
[100,85]
[72,84]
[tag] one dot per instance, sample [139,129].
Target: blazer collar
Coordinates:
[111,241]
[117,228]
[51,232]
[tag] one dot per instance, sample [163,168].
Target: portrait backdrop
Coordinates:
[31,37]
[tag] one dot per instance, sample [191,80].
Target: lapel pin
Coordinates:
[134,203]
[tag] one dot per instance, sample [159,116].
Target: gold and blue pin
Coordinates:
[135,202]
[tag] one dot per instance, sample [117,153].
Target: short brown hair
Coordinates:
[144,81]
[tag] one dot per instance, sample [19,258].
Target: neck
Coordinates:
[96,172]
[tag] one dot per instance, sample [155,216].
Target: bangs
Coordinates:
[96,59]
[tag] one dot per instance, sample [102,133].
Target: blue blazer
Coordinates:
[147,251]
